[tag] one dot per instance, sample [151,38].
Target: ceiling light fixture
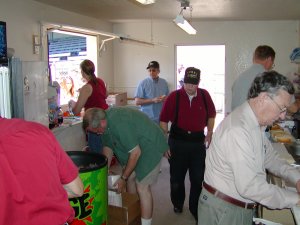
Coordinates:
[182,22]
[146,2]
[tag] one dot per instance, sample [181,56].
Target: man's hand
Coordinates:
[71,104]
[298,190]
[120,185]
[298,186]
[159,99]
[208,138]
[167,154]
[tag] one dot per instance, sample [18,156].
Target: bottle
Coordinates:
[70,103]
[60,116]
[51,115]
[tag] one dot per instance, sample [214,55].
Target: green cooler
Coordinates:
[91,208]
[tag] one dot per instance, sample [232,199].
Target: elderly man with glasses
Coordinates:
[240,153]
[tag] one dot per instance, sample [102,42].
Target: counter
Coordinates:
[70,135]
[283,153]
[296,213]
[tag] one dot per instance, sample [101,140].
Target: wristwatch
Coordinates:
[124,178]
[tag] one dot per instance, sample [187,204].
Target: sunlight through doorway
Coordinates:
[210,59]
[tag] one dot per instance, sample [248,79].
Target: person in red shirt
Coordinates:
[92,95]
[36,176]
[189,109]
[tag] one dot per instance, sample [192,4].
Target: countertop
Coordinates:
[296,213]
[280,148]
[70,134]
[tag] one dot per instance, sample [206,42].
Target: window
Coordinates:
[66,51]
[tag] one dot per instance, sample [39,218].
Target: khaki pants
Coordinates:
[215,211]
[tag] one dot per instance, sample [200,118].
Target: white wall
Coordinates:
[122,66]
[23,19]
[239,37]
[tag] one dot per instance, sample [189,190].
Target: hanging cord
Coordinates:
[151,26]
[151,29]
[181,11]
[191,16]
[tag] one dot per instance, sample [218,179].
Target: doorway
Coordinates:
[210,59]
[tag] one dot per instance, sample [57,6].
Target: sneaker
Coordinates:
[177,210]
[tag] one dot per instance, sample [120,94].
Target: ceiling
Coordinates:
[130,10]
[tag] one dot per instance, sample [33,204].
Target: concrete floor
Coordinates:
[163,209]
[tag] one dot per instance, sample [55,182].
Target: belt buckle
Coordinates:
[247,204]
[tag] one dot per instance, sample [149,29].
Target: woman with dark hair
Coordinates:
[91,95]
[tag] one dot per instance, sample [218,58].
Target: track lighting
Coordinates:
[146,2]
[182,22]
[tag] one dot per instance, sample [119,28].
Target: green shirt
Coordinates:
[127,128]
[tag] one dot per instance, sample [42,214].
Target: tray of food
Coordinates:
[278,134]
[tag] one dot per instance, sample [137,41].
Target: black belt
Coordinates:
[227,198]
[180,134]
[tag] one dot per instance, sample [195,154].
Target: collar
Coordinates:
[155,80]
[191,96]
[251,118]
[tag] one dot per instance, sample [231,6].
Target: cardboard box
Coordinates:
[117,99]
[128,214]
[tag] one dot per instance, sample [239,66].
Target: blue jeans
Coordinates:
[95,142]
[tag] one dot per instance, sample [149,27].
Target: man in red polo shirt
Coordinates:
[189,109]
[36,176]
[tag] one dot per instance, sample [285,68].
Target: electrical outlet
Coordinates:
[36,50]
[36,40]
[36,44]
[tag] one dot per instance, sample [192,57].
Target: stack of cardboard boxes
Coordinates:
[127,214]
[117,99]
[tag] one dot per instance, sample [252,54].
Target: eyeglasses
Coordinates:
[281,109]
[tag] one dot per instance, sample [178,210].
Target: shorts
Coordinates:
[151,177]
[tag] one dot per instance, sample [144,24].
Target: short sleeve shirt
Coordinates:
[33,170]
[242,84]
[127,128]
[192,115]
[149,88]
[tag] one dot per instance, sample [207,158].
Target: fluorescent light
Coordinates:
[146,2]
[184,24]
